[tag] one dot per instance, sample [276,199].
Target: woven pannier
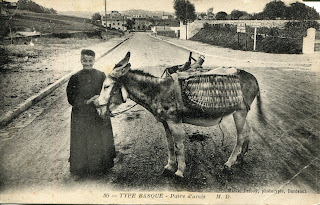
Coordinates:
[212,94]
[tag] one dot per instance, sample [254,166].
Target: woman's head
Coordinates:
[87,58]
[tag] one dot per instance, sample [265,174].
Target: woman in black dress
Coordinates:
[92,145]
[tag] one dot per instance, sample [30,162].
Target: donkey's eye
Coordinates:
[105,87]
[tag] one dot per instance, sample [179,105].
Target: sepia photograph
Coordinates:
[160,102]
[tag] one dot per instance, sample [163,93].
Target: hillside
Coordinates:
[26,21]
[81,14]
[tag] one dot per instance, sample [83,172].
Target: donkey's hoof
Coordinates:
[167,173]
[221,178]
[226,169]
[179,179]
[240,160]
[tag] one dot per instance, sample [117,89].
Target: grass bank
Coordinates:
[286,40]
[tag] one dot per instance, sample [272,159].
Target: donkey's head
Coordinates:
[113,93]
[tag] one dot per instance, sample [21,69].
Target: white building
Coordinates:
[115,20]
[167,17]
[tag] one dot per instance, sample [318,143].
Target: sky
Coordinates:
[250,6]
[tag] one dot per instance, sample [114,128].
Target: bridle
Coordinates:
[122,111]
[98,106]
[108,104]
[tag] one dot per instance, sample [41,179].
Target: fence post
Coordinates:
[255,38]
[245,36]
[309,41]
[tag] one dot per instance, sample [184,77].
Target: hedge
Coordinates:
[270,40]
[167,33]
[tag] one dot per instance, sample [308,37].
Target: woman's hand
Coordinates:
[91,100]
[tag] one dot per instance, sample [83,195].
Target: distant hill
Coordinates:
[81,14]
[85,14]
[145,12]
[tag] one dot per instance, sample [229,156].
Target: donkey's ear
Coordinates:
[123,62]
[120,71]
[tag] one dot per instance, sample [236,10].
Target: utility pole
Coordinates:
[123,23]
[186,30]
[186,21]
[164,23]
[255,38]
[105,13]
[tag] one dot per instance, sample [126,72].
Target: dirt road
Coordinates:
[283,154]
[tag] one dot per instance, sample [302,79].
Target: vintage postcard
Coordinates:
[160,102]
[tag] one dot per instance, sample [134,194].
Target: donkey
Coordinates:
[158,96]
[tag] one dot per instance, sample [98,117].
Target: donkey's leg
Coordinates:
[171,155]
[242,136]
[245,146]
[178,135]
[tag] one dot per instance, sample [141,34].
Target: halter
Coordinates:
[120,112]
[108,104]
[97,106]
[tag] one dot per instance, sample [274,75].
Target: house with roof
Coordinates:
[169,17]
[8,5]
[141,23]
[209,16]
[115,20]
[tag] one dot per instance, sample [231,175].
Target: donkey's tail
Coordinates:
[261,115]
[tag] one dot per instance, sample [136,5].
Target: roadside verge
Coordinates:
[10,115]
[230,57]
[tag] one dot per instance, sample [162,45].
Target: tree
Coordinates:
[95,17]
[221,15]
[210,10]
[202,15]
[257,16]
[275,10]
[32,6]
[52,11]
[246,16]
[184,10]
[130,23]
[300,11]
[236,14]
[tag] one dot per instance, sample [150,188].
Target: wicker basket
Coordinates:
[212,93]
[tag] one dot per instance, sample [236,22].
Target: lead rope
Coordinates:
[118,113]
[165,72]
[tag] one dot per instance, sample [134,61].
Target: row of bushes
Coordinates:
[95,34]
[4,59]
[80,35]
[167,33]
[32,6]
[271,40]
